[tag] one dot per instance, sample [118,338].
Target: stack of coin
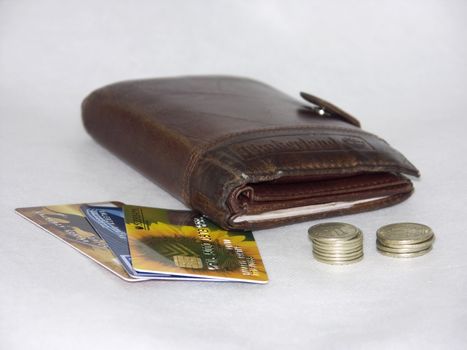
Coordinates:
[336,243]
[404,240]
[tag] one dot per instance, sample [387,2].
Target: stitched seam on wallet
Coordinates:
[198,153]
[340,188]
[353,166]
[223,166]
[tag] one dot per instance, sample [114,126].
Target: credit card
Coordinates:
[68,223]
[108,221]
[185,243]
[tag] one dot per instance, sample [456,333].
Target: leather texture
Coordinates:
[233,148]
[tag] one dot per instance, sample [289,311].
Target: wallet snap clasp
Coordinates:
[327,109]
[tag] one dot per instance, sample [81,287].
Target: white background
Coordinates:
[399,66]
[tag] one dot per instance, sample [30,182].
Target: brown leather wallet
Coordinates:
[245,154]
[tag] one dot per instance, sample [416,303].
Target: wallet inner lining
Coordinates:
[302,211]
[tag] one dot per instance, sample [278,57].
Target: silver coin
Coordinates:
[407,248]
[339,256]
[349,246]
[357,237]
[404,233]
[337,251]
[353,255]
[405,255]
[338,262]
[332,231]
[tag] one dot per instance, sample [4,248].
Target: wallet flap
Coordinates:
[327,109]
[266,155]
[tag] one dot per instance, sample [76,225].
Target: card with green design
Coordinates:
[186,243]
